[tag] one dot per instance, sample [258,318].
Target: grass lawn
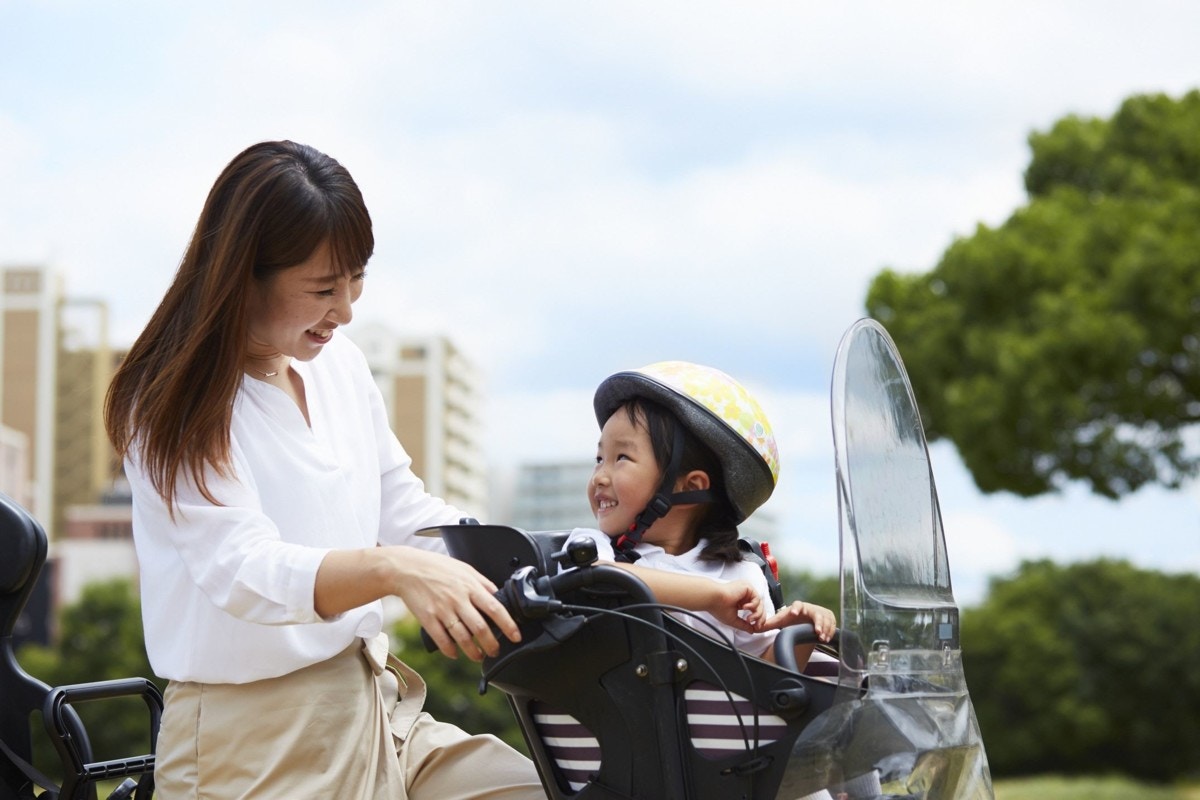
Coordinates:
[1055,788]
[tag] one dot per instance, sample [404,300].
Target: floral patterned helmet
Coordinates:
[718,411]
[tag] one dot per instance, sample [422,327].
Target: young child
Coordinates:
[685,455]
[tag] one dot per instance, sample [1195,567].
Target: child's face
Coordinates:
[626,475]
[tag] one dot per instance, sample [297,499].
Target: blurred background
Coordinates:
[561,191]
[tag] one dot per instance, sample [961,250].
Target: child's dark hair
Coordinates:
[715,523]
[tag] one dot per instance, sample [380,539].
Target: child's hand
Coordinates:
[738,604]
[823,620]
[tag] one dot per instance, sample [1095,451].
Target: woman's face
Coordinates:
[295,311]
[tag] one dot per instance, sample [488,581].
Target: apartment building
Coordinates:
[433,394]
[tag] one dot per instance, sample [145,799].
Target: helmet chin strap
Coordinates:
[660,504]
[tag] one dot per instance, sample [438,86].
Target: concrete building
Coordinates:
[55,367]
[85,464]
[14,466]
[29,302]
[552,496]
[433,396]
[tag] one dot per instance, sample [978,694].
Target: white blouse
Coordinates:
[690,563]
[227,590]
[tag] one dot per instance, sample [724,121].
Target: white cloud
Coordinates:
[572,189]
[979,548]
[541,427]
[800,421]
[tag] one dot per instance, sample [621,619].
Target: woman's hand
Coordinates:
[451,600]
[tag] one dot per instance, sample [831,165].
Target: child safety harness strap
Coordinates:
[660,504]
[31,772]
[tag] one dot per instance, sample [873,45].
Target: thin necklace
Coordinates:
[259,371]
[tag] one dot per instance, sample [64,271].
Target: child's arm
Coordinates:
[725,600]
[823,620]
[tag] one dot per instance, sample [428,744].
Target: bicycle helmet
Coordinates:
[719,412]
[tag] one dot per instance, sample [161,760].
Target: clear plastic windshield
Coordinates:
[903,725]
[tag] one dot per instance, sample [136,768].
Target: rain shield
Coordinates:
[903,724]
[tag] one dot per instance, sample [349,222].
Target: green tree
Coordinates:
[454,688]
[1087,668]
[824,590]
[1065,343]
[100,638]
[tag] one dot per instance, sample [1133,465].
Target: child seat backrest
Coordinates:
[759,554]
[497,551]
[652,708]
[22,554]
[23,548]
[619,707]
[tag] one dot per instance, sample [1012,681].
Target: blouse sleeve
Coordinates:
[231,551]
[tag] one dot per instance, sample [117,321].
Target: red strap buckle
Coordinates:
[770,559]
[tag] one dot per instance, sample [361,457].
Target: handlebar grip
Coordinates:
[795,635]
[529,597]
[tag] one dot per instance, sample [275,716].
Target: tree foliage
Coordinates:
[1087,668]
[824,590]
[1065,343]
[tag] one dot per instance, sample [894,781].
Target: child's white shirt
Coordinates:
[690,563]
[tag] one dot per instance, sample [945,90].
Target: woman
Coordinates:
[273,508]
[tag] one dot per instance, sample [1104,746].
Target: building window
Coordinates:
[22,281]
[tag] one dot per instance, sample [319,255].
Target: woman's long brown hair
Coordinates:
[171,400]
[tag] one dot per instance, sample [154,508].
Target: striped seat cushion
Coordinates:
[574,749]
[821,665]
[721,724]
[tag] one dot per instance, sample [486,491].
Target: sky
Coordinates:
[568,190]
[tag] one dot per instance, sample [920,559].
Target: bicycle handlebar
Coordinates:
[529,596]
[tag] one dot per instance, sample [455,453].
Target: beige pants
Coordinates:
[333,730]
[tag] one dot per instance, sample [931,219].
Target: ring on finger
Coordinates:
[450,625]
